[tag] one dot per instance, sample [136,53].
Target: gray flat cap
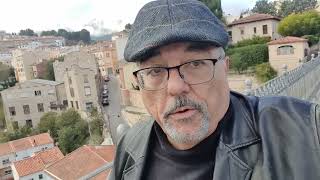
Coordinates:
[163,22]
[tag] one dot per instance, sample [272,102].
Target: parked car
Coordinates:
[106,78]
[105,102]
[105,86]
[105,93]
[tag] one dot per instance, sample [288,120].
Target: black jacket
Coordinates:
[268,138]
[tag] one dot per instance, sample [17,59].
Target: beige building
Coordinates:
[105,54]
[23,61]
[25,103]
[263,25]
[287,51]
[79,72]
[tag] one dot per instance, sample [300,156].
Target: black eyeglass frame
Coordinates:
[214,61]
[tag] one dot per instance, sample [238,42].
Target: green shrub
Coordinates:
[252,41]
[312,39]
[244,57]
[264,72]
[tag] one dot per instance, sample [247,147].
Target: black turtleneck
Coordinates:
[164,162]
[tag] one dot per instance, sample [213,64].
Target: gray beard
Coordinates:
[184,137]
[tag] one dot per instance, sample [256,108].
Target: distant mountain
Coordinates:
[106,37]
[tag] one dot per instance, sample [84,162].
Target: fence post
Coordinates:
[248,87]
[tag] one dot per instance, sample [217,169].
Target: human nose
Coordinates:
[176,85]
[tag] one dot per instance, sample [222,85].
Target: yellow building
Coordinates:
[287,51]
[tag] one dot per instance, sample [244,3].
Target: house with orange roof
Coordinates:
[288,51]
[87,162]
[263,25]
[20,149]
[33,167]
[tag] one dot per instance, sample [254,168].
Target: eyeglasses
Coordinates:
[193,72]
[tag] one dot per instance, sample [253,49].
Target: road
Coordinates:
[112,113]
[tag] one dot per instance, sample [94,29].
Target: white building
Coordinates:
[20,149]
[25,103]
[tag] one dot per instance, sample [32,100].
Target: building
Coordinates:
[24,60]
[87,162]
[263,25]
[34,166]
[6,58]
[289,51]
[20,149]
[105,54]
[80,75]
[26,102]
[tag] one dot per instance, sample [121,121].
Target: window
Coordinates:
[71,92]
[85,78]
[254,30]
[7,172]
[40,107]
[242,32]
[107,54]
[65,102]
[53,106]
[89,106]
[37,93]
[285,50]
[71,102]
[29,123]
[40,176]
[26,109]
[5,161]
[12,111]
[77,105]
[265,29]
[230,34]
[87,91]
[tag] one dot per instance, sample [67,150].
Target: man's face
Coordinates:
[187,113]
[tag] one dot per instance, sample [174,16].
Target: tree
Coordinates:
[27,32]
[265,7]
[84,36]
[128,27]
[288,7]
[48,123]
[49,75]
[215,7]
[49,33]
[96,127]
[68,118]
[306,23]
[264,72]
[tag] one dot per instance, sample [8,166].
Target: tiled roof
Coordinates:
[253,18]
[81,162]
[25,143]
[288,39]
[37,162]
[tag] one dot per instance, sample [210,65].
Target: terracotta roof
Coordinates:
[81,162]
[253,18]
[37,162]
[102,176]
[286,40]
[50,155]
[25,143]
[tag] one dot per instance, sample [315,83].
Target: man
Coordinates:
[199,129]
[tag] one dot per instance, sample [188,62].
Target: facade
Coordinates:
[25,103]
[23,61]
[87,162]
[263,25]
[79,73]
[34,166]
[105,54]
[6,58]
[288,51]
[20,149]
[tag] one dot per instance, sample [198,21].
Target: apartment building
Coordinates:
[24,60]
[263,25]
[33,167]
[25,103]
[20,149]
[80,75]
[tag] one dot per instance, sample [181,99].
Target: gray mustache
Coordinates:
[182,101]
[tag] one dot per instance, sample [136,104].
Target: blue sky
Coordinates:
[98,16]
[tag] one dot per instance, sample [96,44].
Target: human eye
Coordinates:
[155,71]
[197,63]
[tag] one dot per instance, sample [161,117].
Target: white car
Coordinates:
[105,86]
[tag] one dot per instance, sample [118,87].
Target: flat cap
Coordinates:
[162,22]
